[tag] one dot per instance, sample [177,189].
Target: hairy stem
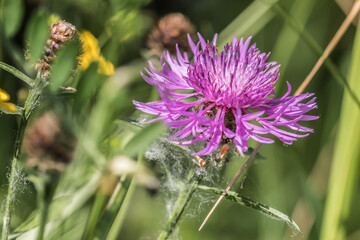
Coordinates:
[182,201]
[12,181]
[30,104]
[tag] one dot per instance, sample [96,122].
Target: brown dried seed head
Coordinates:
[48,146]
[171,29]
[60,33]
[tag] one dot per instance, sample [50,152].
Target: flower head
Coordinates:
[231,97]
[4,104]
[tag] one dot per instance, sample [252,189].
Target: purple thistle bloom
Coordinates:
[234,97]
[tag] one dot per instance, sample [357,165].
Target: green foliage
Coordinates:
[98,111]
[125,26]
[12,12]
[36,35]
[344,174]
[64,65]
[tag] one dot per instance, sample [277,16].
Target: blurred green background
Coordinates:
[292,179]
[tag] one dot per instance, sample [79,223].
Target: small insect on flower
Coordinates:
[229,97]
[224,151]
[200,161]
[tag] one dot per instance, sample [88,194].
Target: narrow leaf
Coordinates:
[247,202]
[17,73]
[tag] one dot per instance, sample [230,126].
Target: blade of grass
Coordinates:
[343,175]
[112,209]
[119,218]
[249,21]
[95,214]
[301,10]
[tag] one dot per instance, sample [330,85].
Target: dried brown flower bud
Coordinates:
[60,33]
[48,145]
[171,29]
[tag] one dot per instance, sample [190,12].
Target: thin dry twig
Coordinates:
[237,175]
[334,41]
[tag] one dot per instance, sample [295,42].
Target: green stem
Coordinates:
[43,215]
[119,219]
[122,209]
[113,208]
[182,201]
[12,181]
[95,215]
[43,187]
[30,104]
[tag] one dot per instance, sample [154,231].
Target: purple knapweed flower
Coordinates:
[225,97]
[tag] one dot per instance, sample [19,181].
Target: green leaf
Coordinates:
[19,111]
[17,73]
[64,64]
[13,13]
[36,35]
[247,202]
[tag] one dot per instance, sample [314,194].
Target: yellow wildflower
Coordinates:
[4,97]
[91,53]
